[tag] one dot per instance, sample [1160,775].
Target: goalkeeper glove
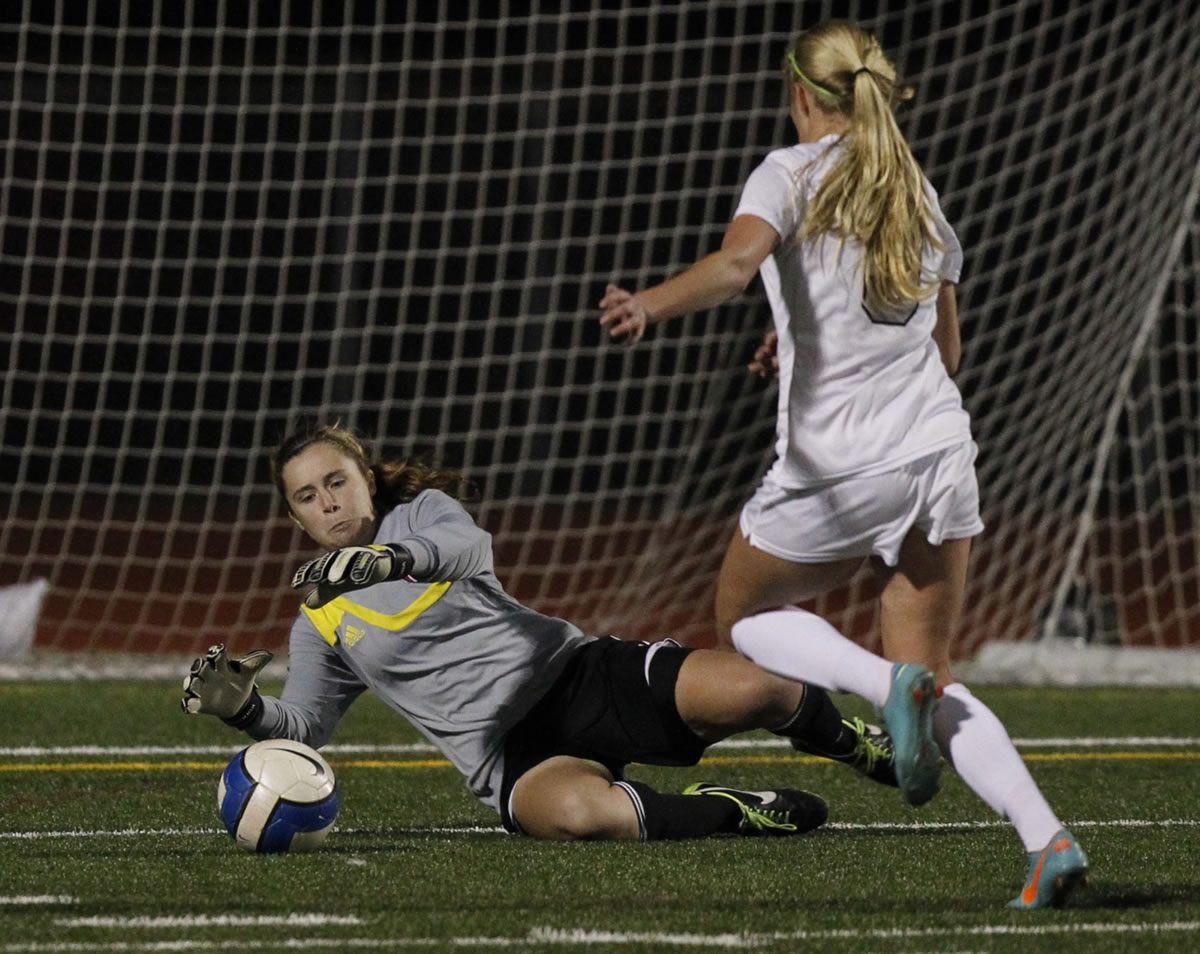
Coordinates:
[224,687]
[351,568]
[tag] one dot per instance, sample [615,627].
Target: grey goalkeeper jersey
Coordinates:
[458,657]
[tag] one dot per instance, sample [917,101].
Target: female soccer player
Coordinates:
[540,718]
[874,450]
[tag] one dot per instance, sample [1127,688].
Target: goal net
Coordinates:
[218,220]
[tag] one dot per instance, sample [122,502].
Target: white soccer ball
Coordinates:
[278,795]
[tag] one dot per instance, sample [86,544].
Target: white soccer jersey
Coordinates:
[858,394]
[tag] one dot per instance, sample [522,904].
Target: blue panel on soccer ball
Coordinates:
[238,786]
[290,818]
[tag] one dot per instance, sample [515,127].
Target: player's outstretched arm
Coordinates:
[351,568]
[222,686]
[713,280]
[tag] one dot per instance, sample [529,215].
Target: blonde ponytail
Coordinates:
[875,192]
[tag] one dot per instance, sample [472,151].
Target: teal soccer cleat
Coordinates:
[908,713]
[1054,874]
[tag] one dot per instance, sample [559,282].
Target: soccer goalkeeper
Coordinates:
[540,718]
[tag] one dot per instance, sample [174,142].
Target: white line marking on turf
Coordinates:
[497,830]
[42,751]
[186,832]
[1102,741]
[990,930]
[579,936]
[111,833]
[212,920]
[247,944]
[37,899]
[547,936]
[39,751]
[1145,741]
[1000,823]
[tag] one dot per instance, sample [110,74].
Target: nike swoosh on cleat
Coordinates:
[1029,895]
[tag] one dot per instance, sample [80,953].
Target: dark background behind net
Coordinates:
[211,229]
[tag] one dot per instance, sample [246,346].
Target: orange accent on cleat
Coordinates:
[1064,866]
[1029,895]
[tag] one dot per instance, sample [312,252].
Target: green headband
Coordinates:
[791,57]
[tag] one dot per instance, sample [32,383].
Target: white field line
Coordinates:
[213,920]
[36,899]
[423,748]
[995,930]
[40,751]
[546,936]
[497,830]
[193,832]
[249,944]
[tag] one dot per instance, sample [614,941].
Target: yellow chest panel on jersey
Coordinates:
[329,617]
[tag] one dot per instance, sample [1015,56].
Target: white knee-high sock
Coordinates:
[794,643]
[975,742]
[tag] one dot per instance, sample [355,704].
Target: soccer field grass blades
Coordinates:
[787,811]
[1054,874]
[908,713]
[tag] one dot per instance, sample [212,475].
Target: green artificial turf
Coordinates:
[119,847]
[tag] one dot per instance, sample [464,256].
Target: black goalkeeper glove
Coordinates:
[351,568]
[224,687]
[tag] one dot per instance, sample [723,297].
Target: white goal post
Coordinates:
[219,219]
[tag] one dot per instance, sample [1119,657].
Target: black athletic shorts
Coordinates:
[614,704]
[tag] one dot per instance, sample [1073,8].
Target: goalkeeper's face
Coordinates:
[330,497]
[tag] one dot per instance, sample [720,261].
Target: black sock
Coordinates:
[818,722]
[681,816]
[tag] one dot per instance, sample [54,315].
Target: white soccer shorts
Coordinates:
[864,516]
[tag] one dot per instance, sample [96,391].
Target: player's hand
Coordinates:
[766,358]
[624,315]
[224,687]
[351,568]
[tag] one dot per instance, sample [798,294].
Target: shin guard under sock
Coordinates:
[818,723]
[662,817]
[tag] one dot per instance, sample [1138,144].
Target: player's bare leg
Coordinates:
[752,581]
[719,693]
[921,602]
[920,608]
[566,798]
[756,592]
[799,645]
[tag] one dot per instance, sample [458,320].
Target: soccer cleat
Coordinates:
[787,811]
[873,754]
[1054,874]
[908,713]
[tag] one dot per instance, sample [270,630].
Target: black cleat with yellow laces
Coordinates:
[871,752]
[787,811]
